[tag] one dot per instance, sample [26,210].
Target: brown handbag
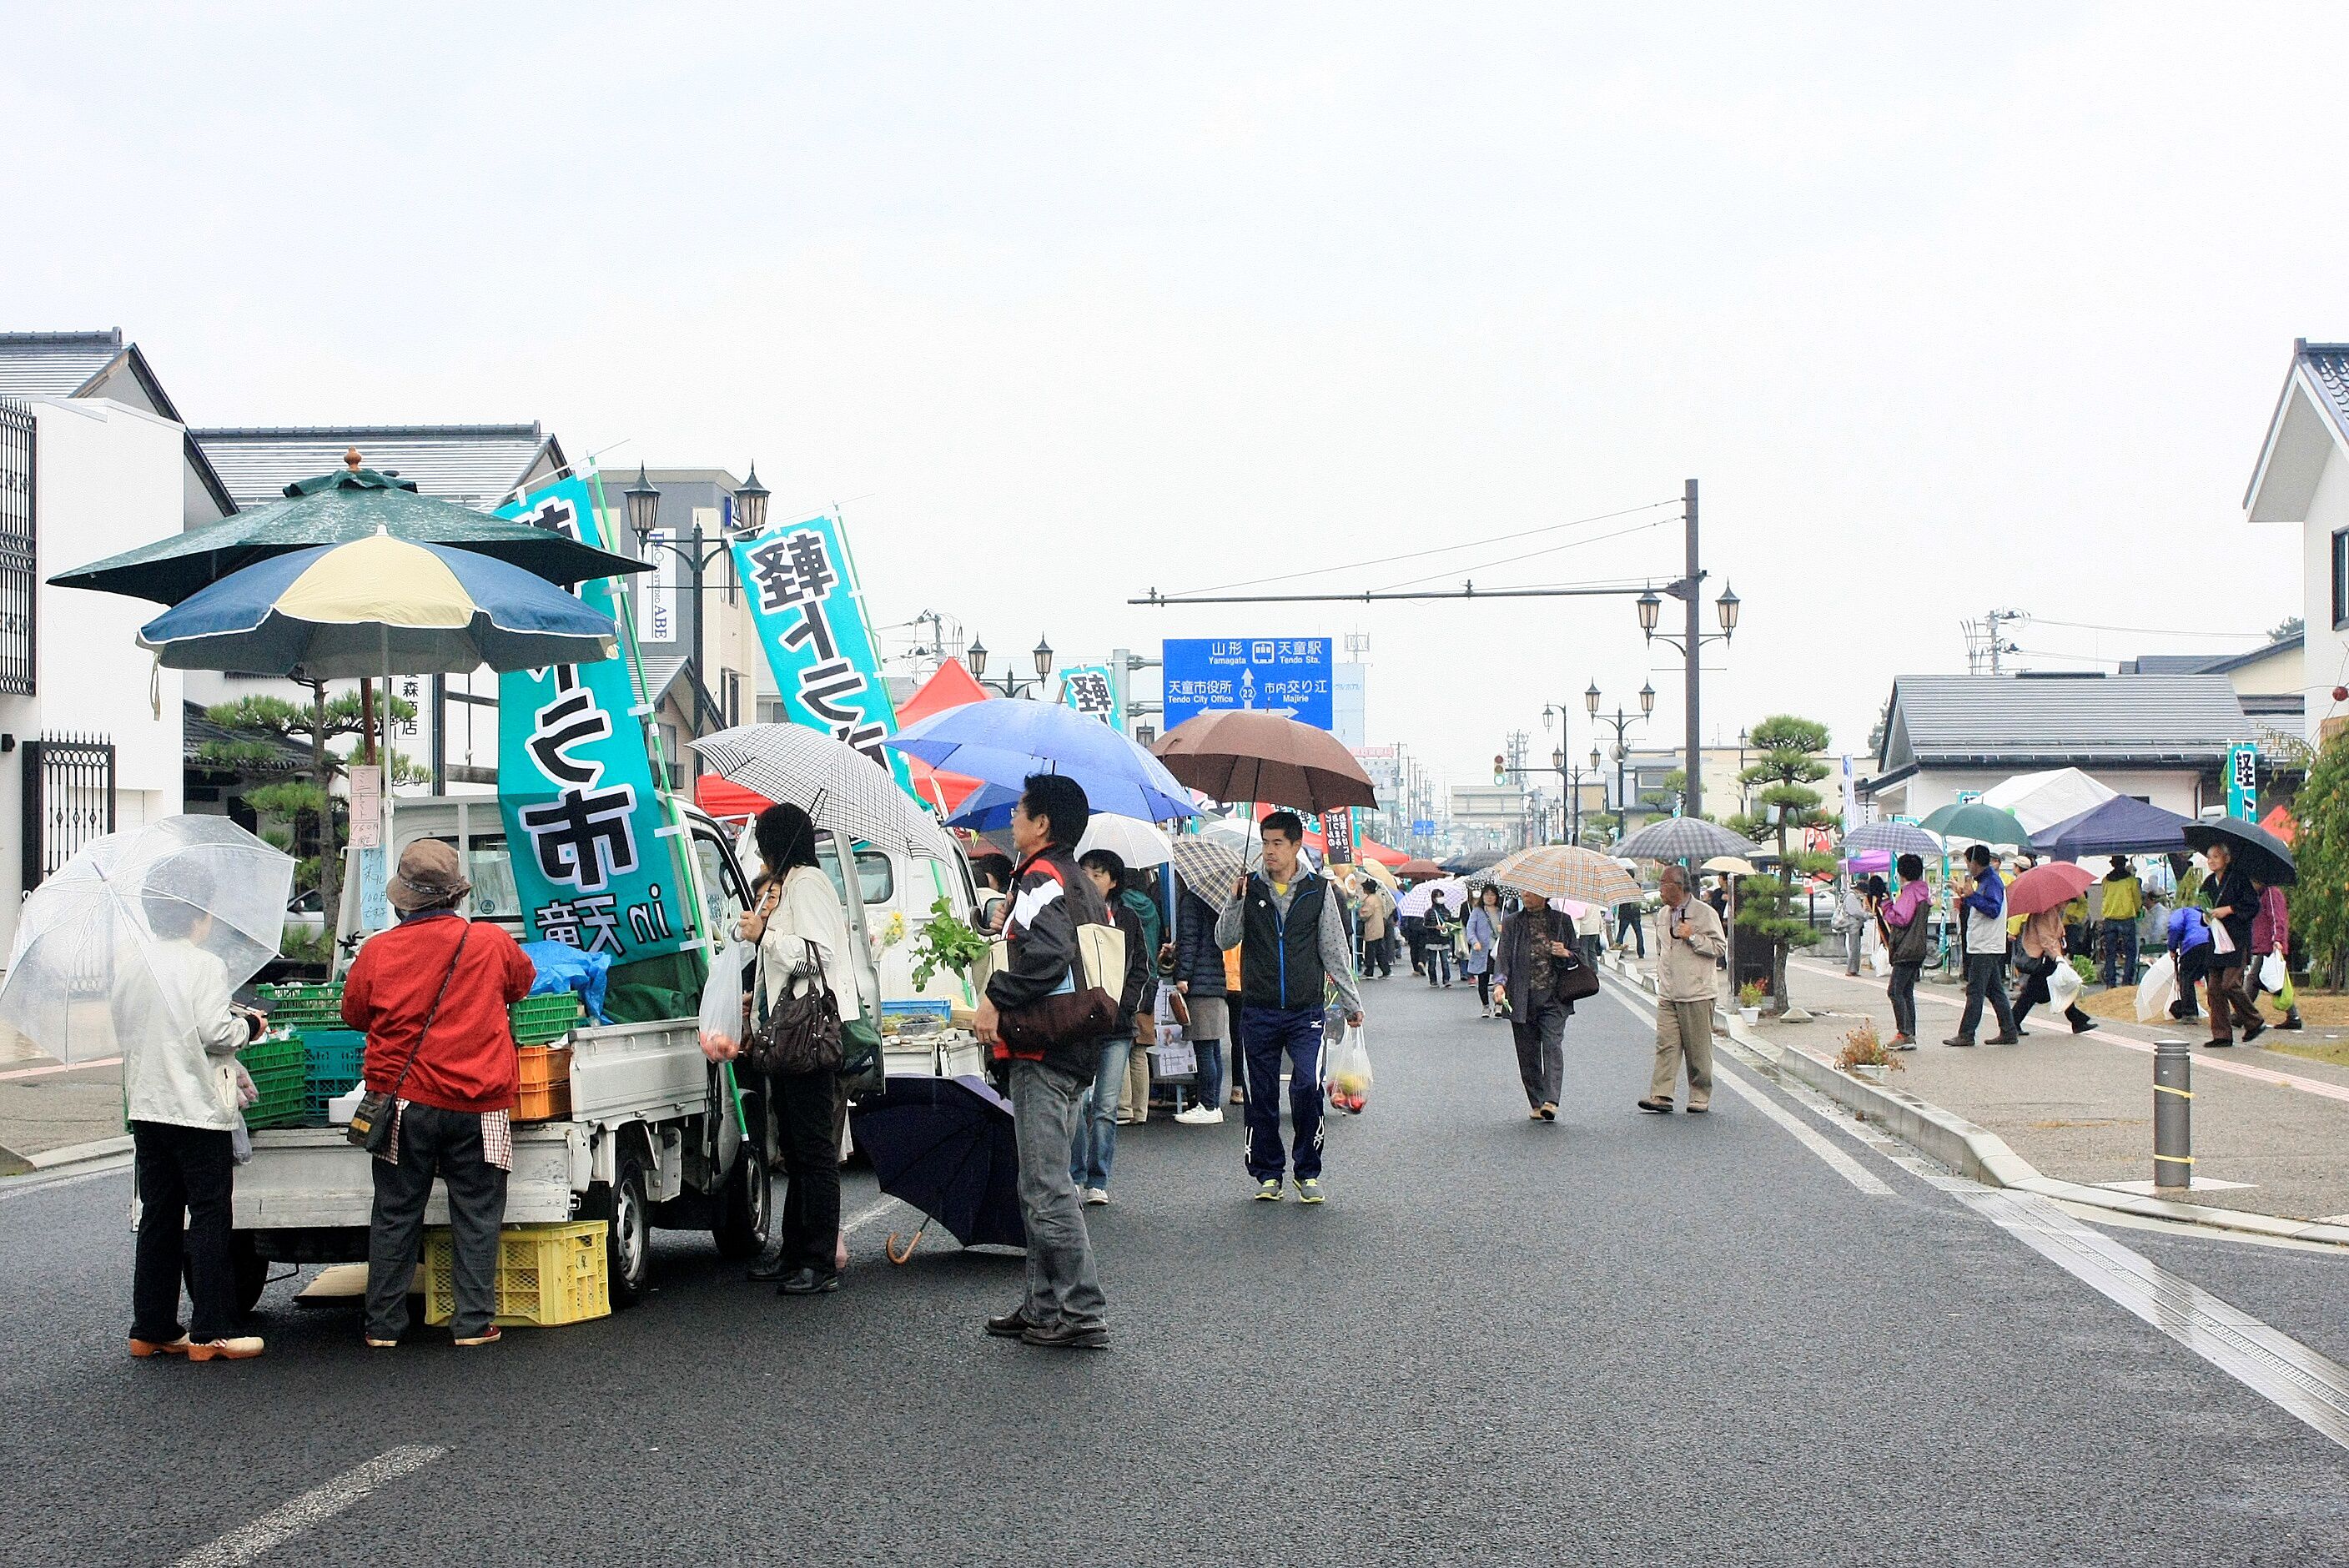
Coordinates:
[801,1034]
[1079,1015]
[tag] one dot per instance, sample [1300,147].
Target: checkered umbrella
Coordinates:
[1892,838]
[1208,867]
[842,790]
[1680,838]
[1567,871]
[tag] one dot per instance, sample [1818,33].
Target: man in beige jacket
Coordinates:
[1687,980]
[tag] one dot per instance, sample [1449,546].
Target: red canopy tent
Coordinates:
[722,798]
[2281,824]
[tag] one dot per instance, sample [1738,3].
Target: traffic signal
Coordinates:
[1500,768]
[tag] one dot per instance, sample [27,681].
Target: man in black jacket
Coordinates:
[1198,973]
[1049,899]
[1536,949]
[1293,943]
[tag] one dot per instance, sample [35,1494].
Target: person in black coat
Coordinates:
[1195,967]
[1536,948]
[2234,904]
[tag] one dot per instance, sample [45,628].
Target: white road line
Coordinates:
[1836,1159]
[867,1215]
[312,1509]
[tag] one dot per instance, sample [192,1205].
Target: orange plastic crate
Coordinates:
[545,1083]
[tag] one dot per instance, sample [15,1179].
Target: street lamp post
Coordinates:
[1622,723]
[1690,645]
[1040,655]
[643,501]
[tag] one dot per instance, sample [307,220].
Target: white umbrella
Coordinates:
[1136,843]
[102,964]
[842,790]
[1416,900]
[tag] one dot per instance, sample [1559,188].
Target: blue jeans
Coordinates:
[1210,1087]
[1093,1144]
[1266,1033]
[2120,938]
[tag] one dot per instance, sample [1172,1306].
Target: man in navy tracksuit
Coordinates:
[1292,939]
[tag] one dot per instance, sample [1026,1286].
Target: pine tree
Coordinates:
[1788,767]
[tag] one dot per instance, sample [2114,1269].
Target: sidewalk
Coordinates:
[45,1107]
[2080,1107]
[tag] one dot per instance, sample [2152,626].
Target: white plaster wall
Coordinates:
[2322,662]
[108,477]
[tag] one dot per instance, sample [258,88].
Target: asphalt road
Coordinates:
[1620,1339]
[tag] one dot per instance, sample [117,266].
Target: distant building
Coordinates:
[2267,680]
[2160,738]
[2301,478]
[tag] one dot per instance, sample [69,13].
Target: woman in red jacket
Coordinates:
[431,994]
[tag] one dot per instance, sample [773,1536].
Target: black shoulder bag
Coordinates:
[372,1123]
[801,1034]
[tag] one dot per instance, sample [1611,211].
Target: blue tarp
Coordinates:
[562,967]
[2123,825]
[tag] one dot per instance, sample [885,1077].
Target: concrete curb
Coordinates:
[1981,1154]
[49,1161]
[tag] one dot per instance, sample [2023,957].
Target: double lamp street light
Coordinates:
[643,500]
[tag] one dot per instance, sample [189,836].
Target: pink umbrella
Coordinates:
[2047,887]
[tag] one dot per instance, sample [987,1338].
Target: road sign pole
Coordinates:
[2173,1117]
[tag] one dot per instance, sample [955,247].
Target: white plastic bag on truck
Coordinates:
[2156,990]
[1347,1072]
[722,997]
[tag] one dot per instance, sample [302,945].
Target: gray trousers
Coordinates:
[447,1144]
[1541,1051]
[1062,1288]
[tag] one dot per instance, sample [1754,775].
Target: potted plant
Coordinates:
[1750,997]
[1864,1057]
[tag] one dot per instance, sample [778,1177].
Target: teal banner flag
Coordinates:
[594,857]
[1093,691]
[811,613]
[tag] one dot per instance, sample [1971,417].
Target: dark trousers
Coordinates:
[806,1124]
[1984,983]
[1903,992]
[1378,953]
[446,1144]
[1539,1029]
[2230,1005]
[2192,965]
[184,1175]
[2034,991]
[2120,952]
[1270,1032]
[1629,924]
[1484,985]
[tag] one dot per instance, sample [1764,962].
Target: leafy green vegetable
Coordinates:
[944,943]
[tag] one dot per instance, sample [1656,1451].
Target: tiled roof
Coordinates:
[475,465]
[2053,719]
[2328,371]
[2169,664]
[54,363]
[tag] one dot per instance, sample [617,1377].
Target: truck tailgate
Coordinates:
[302,1178]
[652,1072]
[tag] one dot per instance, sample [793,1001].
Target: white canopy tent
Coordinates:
[2041,799]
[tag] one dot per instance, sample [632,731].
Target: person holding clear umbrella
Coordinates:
[183,1122]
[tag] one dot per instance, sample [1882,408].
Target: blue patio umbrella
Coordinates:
[1003,743]
[2120,826]
[946,1146]
[374,605]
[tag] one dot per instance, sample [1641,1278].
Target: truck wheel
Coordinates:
[628,1233]
[252,1270]
[744,1206]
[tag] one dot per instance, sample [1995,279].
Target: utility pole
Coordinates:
[1695,765]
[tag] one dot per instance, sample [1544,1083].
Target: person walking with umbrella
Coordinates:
[1377,913]
[1484,923]
[1195,969]
[1049,1066]
[2234,905]
[1438,929]
[1907,931]
[1687,952]
[1529,960]
[1293,949]
[2042,949]
[1982,897]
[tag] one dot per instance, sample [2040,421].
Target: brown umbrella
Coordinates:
[1419,870]
[1242,754]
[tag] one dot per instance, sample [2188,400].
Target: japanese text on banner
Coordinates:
[810,615]
[576,783]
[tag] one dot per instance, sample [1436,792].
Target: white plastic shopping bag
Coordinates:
[721,1002]
[2156,990]
[1348,1073]
[2272,974]
[2220,941]
[1879,957]
[2063,984]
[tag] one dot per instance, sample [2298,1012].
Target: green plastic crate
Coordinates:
[538,1021]
[335,1059]
[280,1073]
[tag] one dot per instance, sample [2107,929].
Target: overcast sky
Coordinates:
[1946,308]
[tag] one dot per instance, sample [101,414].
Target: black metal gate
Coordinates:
[18,550]
[69,799]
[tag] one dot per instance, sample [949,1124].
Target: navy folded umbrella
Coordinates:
[946,1147]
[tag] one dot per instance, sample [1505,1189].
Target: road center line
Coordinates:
[1836,1159]
[312,1509]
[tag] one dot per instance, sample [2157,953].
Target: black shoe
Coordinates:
[2291,1020]
[809,1282]
[1699,1110]
[772,1264]
[2253,1031]
[1010,1326]
[1656,1107]
[1066,1338]
[1958,1040]
[2008,1038]
[2215,1043]
[2083,1026]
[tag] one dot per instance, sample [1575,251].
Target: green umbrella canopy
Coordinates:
[1974,821]
[335,509]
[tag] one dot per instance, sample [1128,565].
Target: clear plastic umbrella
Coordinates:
[105,947]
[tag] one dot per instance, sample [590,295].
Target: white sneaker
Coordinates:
[1096,1196]
[1201,1115]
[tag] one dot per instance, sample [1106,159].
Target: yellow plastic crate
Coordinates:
[548,1275]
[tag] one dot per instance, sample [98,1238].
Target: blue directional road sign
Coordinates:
[1287,675]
